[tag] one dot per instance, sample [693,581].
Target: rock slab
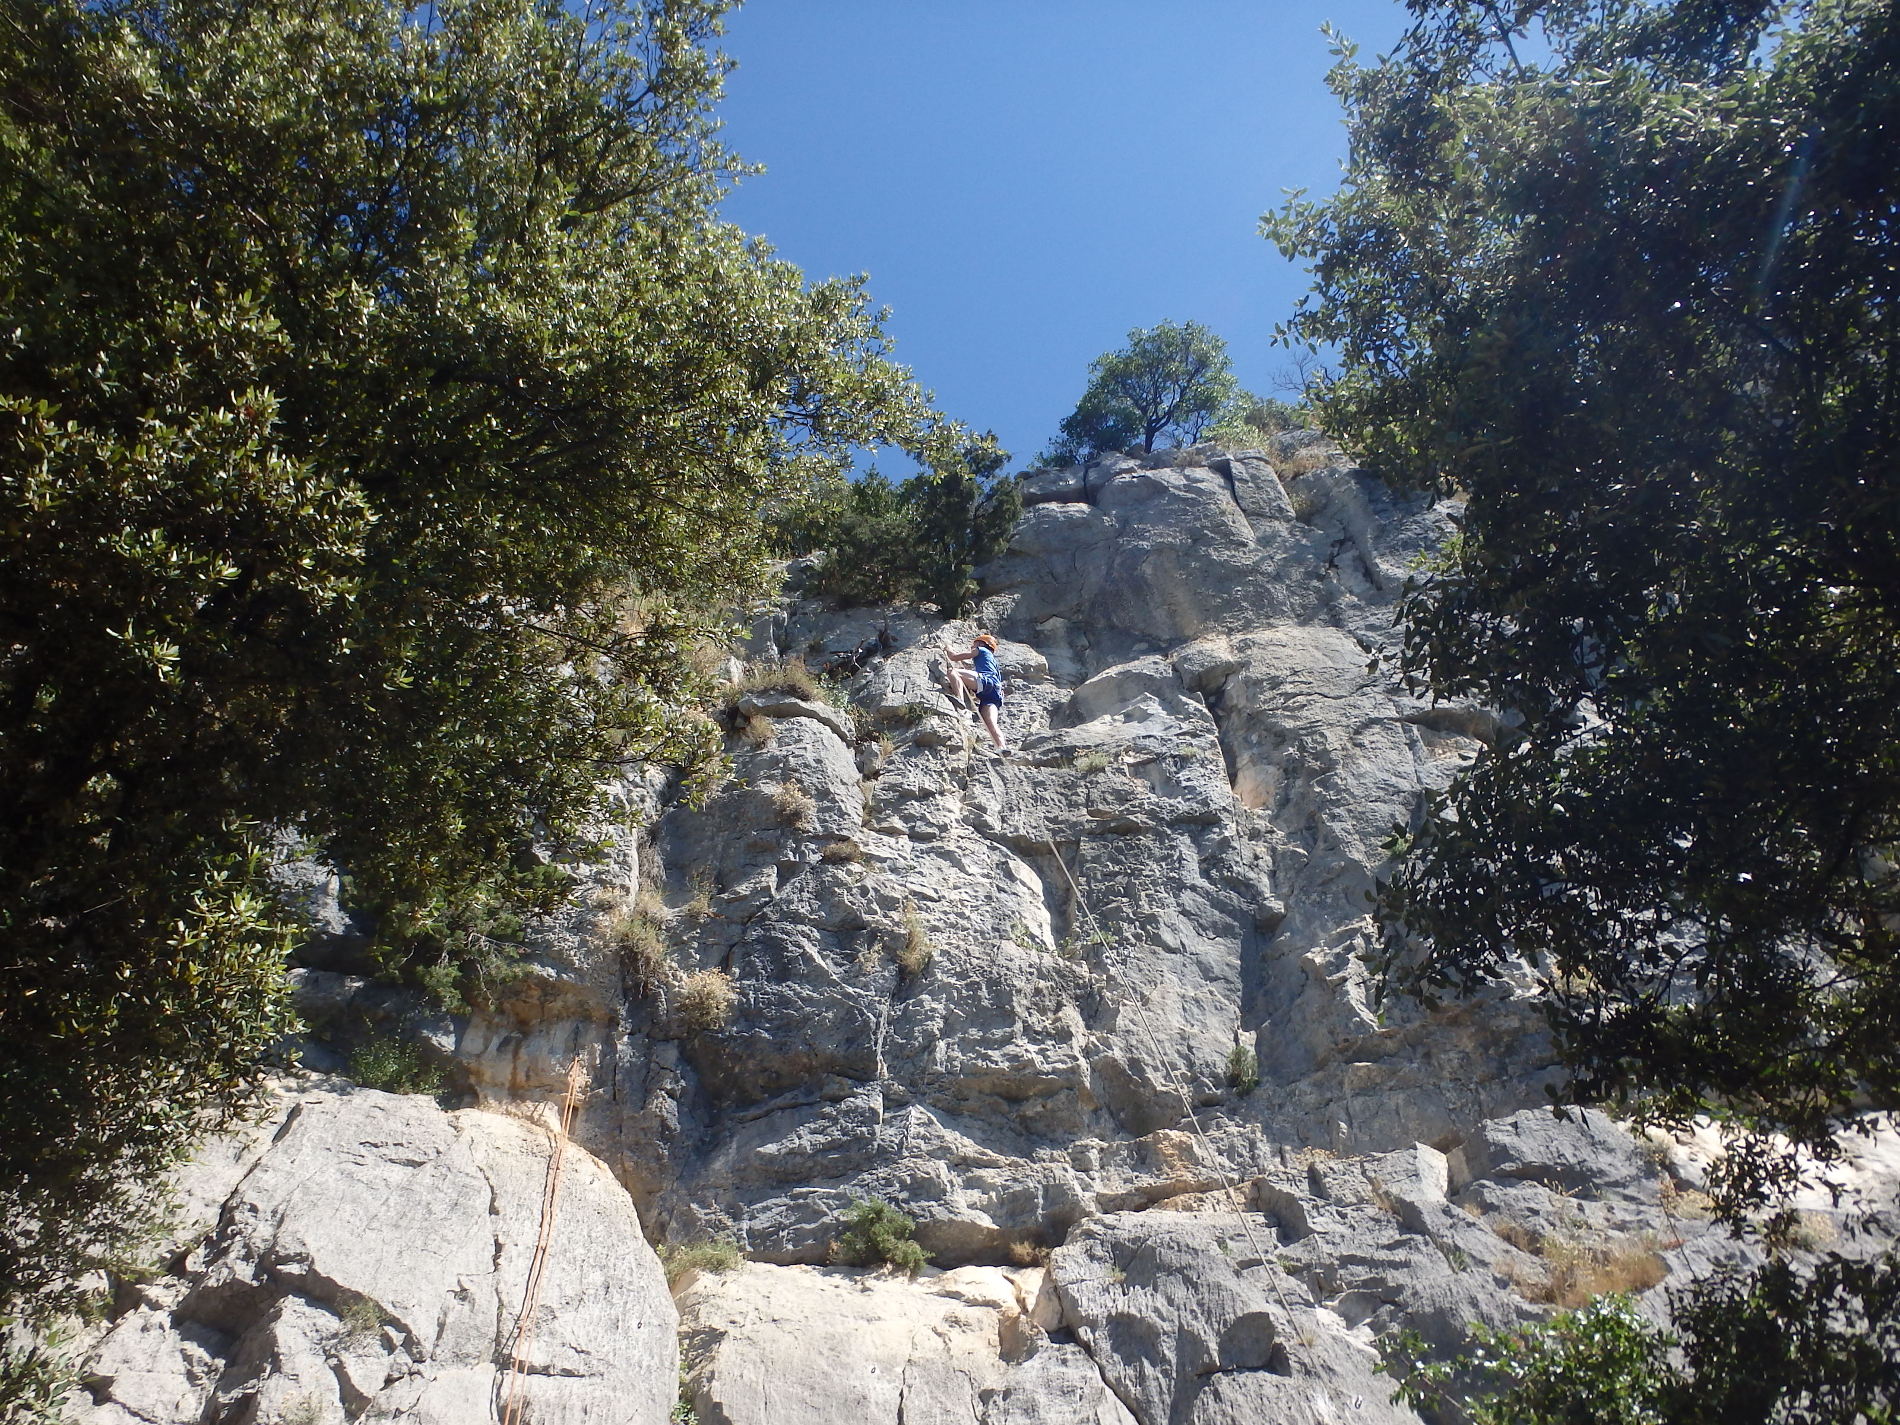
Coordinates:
[369,1262]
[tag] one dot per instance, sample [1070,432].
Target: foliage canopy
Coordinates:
[1626,273]
[1173,379]
[1782,1345]
[383,413]
[920,540]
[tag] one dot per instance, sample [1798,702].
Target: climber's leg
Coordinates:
[959,683]
[989,707]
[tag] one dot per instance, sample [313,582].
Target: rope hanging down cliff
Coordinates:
[510,1385]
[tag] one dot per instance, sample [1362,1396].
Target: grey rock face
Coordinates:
[967,1347]
[1021,996]
[1190,1321]
[1170,865]
[364,1258]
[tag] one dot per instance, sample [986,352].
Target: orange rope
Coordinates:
[531,1297]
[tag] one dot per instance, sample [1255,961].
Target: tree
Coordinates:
[383,415]
[1784,1343]
[965,510]
[1250,420]
[1171,379]
[1625,273]
[865,531]
[921,540]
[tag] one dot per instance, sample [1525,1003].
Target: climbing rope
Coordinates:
[537,1265]
[1228,1185]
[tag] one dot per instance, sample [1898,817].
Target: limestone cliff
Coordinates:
[1025,999]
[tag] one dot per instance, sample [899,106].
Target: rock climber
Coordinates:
[984,679]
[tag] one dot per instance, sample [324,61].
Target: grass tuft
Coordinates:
[363,1320]
[718,1254]
[1576,1272]
[794,805]
[915,952]
[706,1001]
[794,678]
[842,853]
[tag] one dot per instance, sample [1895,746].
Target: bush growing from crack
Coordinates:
[1243,1070]
[706,1001]
[878,1233]
[394,1065]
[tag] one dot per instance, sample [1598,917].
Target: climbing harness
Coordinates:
[510,1386]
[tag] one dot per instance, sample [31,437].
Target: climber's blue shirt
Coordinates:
[989,678]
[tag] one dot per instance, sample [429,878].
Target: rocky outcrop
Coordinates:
[1167,876]
[364,1257]
[1097,1014]
[963,1347]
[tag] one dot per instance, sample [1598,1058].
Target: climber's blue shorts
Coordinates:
[989,690]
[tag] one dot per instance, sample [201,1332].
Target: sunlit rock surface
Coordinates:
[364,1257]
[1023,997]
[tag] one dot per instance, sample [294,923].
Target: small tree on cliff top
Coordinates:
[920,540]
[1173,379]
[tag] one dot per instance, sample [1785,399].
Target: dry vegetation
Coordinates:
[1307,459]
[1028,1254]
[905,714]
[794,678]
[706,1000]
[757,729]
[699,894]
[842,853]
[1686,1203]
[635,933]
[1576,1272]
[793,805]
[914,951]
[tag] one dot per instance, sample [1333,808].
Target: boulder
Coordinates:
[793,1345]
[370,1262]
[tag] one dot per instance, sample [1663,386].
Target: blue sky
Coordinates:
[1026,180]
